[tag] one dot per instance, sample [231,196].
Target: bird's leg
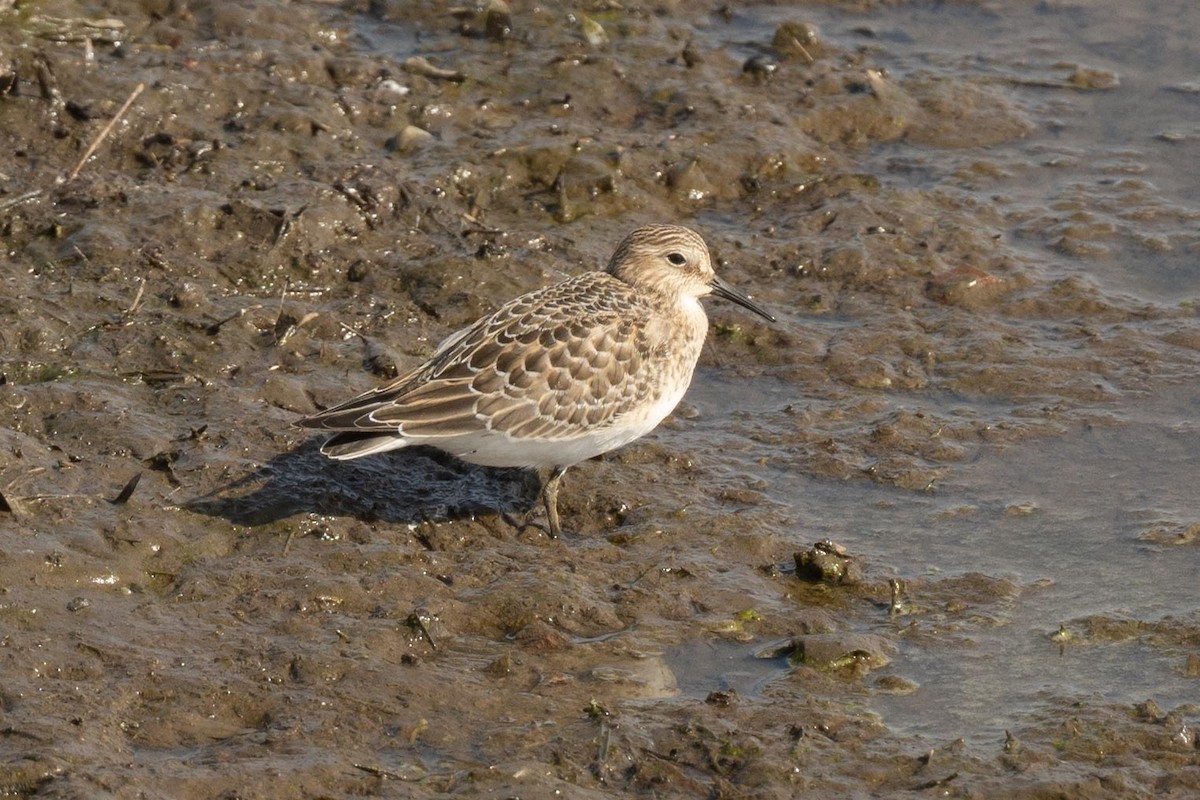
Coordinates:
[550,500]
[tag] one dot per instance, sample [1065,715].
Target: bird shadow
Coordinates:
[412,485]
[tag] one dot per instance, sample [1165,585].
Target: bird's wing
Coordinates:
[354,414]
[550,364]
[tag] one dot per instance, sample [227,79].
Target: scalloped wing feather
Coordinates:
[523,371]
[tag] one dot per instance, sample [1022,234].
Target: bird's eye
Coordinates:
[678,259]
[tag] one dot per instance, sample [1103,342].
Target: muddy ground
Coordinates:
[304,198]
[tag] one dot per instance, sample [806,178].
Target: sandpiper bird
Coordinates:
[555,376]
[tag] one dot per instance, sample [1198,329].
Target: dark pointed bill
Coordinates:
[722,289]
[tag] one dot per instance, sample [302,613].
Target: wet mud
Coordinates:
[220,217]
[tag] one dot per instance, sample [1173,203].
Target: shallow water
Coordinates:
[1091,151]
[1084,524]
[1065,518]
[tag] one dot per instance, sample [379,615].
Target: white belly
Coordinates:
[493,449]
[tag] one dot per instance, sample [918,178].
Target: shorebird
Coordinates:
[556,376]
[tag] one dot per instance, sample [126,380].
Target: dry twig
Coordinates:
[107,130]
